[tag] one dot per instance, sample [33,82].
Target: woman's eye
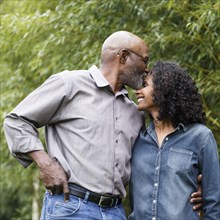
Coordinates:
[144,84]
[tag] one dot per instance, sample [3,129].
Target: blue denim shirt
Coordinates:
[163,179]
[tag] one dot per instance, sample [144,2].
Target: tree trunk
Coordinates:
[35,206]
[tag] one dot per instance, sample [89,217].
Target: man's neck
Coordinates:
[111,75]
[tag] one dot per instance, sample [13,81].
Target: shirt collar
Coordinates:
[149,128]
[181,126]
[123,92]
[178,128]
[101,81]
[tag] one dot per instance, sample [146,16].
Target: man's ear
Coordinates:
[123,55]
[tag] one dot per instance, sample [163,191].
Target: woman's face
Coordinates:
[144,95]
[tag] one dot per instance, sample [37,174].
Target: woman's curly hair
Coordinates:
[176,94]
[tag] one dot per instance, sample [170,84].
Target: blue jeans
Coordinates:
[55,208]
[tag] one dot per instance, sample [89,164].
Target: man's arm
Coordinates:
[52,173]
[20,126]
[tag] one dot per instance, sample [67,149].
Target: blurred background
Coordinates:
[42,37]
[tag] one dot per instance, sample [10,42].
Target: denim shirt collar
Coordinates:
[151,127]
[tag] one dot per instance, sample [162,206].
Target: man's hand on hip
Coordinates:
[52,173]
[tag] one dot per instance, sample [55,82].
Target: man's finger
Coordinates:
[199,178]
[196,200]
[66,192]
[196,195]
[197,207]
[59,190]
[51,189]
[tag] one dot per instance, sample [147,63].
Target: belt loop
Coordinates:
[116,202]
[86,197]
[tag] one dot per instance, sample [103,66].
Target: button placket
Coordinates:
[156,184]
[116,122]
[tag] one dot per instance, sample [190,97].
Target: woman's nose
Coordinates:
[138,92]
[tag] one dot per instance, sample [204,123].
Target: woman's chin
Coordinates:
[140,108]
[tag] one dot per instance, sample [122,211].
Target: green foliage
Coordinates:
[40,38]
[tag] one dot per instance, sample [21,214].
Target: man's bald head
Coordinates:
[122,39]
[118,41]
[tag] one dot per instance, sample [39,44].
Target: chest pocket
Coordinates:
[179,159]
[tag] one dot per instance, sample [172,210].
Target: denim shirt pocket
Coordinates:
[179,159]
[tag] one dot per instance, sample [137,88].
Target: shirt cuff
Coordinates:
[23,145]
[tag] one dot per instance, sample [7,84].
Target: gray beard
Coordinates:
[134,81]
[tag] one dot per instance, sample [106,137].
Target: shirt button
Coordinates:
[116,141]
[154,201]
[157,168]
[166,138]
[155,184]
[116,164]
[116,118]
[153,218]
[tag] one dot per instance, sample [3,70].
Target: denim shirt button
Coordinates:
[154,201]
[156,184]
[154,218]
[166,138]
[157,168]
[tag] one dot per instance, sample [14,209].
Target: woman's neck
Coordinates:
[162,129]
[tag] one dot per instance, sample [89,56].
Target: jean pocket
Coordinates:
[63,210]
[179,159]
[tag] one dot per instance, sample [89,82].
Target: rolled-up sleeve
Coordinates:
[36,110]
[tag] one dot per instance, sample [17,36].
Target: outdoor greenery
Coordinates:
[42,37]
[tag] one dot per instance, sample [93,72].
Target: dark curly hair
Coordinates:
[176,94]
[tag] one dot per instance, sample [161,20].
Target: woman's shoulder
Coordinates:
[199,128]
[201,132]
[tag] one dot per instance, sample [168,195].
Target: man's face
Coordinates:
[135,69]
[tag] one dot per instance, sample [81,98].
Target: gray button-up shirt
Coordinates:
[89,129]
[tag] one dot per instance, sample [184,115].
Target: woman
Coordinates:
[173,150]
